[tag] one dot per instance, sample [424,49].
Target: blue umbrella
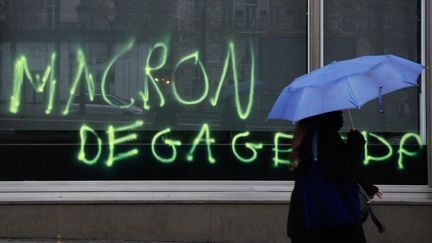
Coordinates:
[344,85]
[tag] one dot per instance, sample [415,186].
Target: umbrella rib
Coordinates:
[405,79]
[300,99]
[284,109]
[353,94]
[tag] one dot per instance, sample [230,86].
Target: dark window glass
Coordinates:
[95,33]
[65,50]
[57,54]
[378,27]
[357,28]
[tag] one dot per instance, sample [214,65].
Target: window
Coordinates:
[352,29]
[251,9]
[142,79]
[263,19]
[275,14]
[166,88]
[239,18]
[92,44]
[52,13]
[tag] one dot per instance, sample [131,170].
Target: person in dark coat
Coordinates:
[337,160]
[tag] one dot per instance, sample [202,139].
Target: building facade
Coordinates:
[146,119]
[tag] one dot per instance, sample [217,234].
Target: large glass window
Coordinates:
[377,27]
[353,29]
[170,89]
[180,89]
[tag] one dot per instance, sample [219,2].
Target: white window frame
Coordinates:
[95,192]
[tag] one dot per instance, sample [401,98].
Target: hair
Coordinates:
[302,131]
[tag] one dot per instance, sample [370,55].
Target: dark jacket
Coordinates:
[337,160]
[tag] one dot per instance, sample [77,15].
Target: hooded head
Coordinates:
[332,120]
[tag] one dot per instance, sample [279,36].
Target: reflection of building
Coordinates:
[58,25]
[276,29]
[250,15]
[108,23]
[355,28]
[142,207]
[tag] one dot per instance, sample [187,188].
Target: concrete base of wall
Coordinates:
[190,222]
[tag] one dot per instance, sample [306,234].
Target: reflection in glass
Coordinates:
[357,28]
[87,38]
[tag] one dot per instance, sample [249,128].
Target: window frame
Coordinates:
[96,192]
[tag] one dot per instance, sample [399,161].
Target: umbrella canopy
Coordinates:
[344,85]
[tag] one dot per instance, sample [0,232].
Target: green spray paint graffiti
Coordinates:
[195,57]
[281,149]
[252,146]
[402,151]
[149,76]
[22,71]
[205,130]
[83,137]
[169,142]
[157,58]
[112,142]
[368,157]
[277,159]
[105,74]
[231,57]
[82,69]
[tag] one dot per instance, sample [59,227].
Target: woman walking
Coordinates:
[335,161]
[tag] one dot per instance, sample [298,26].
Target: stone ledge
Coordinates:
[183,192]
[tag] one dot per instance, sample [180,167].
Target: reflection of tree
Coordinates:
[287,17]
[104,11]
[354,28]
[21,14]
[378,27]
[203,25]
[147,16]
[141,16]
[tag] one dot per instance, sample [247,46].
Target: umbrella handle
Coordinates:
[351,120]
